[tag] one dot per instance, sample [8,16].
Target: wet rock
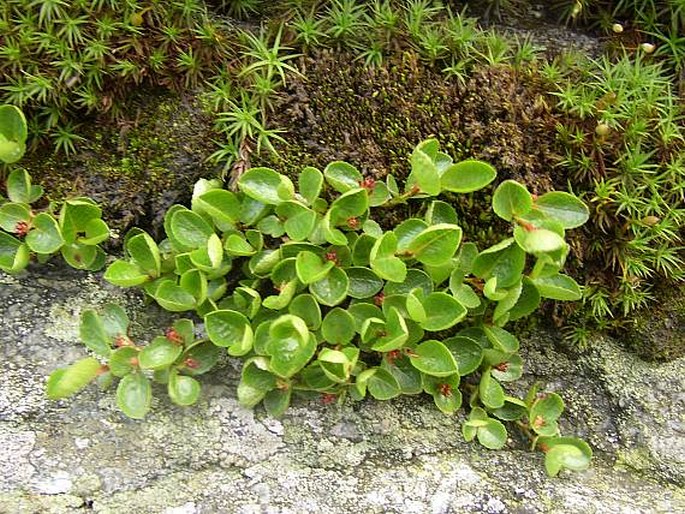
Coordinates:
[658,334]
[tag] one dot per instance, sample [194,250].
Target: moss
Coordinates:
[374,118]
[136,168]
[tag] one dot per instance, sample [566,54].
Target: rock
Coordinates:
[659,333]
[398,456]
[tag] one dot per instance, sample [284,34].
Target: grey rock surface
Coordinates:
[400,456]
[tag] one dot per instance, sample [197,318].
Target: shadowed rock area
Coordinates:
[398,456]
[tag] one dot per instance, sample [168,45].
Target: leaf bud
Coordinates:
[602,129]
[136,19]
[650,221]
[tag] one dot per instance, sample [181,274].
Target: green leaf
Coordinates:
[75,217]
[220,205]
[251,210]
[115,322]
[83,257]
[436,245]
[65,382]
[310,183]
[13,213]
[13,133]
[286,292]
[443,311]
[415,308]
[565,452]
[433,358]
[263,262]
[466,296]
[290,345]
[342,176]
[364,283]
[145,253]
[329,232]
[490,433]
[501,314]
[96,231]
[509,369]
[246,300]
[570,211]
[407,376]
[93,334]
[467,176]
[183,390]
[338,326]
[14,255]
[415,279]
[379,195]
[160,353]
[512,410]
[490,391]
[396,333]
[255,382]
[271,226]
[277,401]
[501,339]
[407,231]
[538,240]
[45,236]
[123,361]
[424,174]
[310,268]
[382,385]
[383,261]
[200,358]
[299,220]
[338,364]
[511,199]
[266,186]
[305,306]
[430,147]
[255,238]
[558,287]
[237,246]
[363,311]
[125,274]
[332,289]
[362,250]
[174,298]
[315,379]
[189,229]
[440,212]
[544,414]
[505,261]
[467,352]
[527,303]
[445,392]
[134,395]
[351,204]
[230,329]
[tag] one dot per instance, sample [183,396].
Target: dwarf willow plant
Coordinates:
[25,230]
[307,287]
[173,358]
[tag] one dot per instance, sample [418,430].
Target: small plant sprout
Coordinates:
[27,231]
